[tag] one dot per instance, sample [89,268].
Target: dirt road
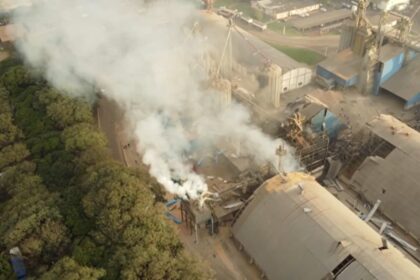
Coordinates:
[109,117]
[316,43]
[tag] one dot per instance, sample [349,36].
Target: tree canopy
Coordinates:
[73,211]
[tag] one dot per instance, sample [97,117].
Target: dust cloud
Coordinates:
[144,56]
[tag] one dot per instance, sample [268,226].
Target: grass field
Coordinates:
[301,55]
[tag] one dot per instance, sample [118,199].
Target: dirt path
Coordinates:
[109,116]
[316,43]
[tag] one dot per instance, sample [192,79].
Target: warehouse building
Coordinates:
[321,19]
[281,9]
[295,229]
[392,173]
[344,68]
[249,52]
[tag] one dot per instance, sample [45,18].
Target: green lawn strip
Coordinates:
[301,55]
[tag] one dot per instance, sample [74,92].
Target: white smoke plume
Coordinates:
[145,58]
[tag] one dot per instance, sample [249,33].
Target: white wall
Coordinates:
[296,78]
[299,11]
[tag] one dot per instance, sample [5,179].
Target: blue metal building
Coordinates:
[406,84]
[343,68]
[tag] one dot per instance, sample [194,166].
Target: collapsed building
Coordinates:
[293,228]
[387,169]
[292,213]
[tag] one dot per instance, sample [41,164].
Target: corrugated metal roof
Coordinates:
[389,51]
[321,18]
[406,83]
[344,64]
[394,179]
[304,235]
[216,28]
[398,134]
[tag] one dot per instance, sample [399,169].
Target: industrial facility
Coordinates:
[371,52]
[390,173]
[257,70]
[336,194]
[350,212]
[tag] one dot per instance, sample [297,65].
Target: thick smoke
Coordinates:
[144,57]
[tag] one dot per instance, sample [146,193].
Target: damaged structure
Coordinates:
[390,172]
[295,229]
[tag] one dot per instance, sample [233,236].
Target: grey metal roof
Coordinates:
[344,64]
[305,235]
[243,43]
[406,83]
[398,134]
[321,18]
[389,51]
[394,179]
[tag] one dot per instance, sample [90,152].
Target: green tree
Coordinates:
[18,78]
[81,137]
[4,101]
[104,214]
[65,111]
[19,178]
[13,154]
[127,216]
[9,133]
[31,221]
[6,271]
[68,269]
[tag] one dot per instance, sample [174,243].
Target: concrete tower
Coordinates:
[274,73]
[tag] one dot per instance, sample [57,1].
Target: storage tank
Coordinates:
[273,74]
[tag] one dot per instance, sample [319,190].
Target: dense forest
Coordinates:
[73,212]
